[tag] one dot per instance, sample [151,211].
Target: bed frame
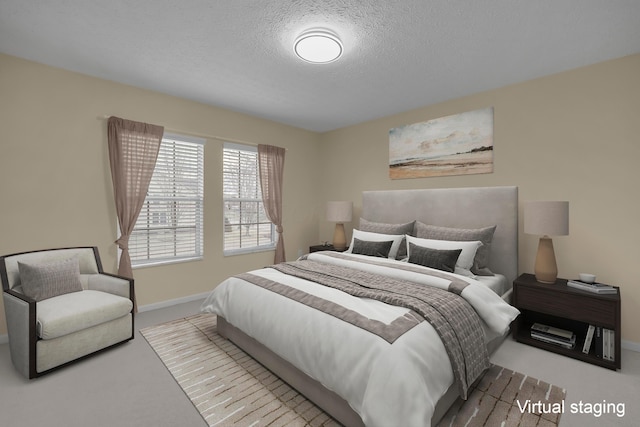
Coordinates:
[457,207]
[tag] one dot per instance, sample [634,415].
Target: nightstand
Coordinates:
[564,307]
[318,248]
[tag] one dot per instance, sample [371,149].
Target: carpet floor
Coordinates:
[229,388]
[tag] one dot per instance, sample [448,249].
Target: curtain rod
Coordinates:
[200,135]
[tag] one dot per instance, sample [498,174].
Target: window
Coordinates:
[246,226]
[169,228]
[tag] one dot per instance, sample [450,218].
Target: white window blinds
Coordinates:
[170,225]
[246,226]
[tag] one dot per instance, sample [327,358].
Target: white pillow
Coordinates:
[465,260]
[369,236]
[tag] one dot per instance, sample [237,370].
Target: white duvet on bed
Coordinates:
[386,384]
[497,283]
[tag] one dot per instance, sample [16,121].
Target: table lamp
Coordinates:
[546,218]
[339,212]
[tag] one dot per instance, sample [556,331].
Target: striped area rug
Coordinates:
[498,398]
[229,388]
[226,385]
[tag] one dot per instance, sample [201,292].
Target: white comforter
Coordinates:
[386,384]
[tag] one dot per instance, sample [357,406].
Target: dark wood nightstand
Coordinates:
[318,248]
[567,308]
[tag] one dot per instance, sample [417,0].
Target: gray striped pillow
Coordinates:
[47,280]
[440,259]
[379,249]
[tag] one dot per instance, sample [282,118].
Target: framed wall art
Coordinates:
[460,144]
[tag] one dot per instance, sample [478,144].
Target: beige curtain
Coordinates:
[271,165]
[133,150]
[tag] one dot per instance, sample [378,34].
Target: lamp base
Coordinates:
[339,238]
[546,269]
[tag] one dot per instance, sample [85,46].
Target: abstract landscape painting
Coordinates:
[460,144]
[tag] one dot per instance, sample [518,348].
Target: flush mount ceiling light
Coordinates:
[318,46]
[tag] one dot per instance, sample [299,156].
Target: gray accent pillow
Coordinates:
[384,228]
[47,280]
[441,259]
[379,249]
[484,235]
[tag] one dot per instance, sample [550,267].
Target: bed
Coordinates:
[366,355]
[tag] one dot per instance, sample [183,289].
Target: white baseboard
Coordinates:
[630,345]
[169,303]
[4,339]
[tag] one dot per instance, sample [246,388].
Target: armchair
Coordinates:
[61,306]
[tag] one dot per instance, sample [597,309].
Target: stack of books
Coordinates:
[596,288]
[603,340]
[551,335]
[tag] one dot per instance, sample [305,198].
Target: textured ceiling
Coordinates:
[399,54]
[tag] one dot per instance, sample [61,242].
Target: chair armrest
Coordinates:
[112,284]
[20,295]
[20,312]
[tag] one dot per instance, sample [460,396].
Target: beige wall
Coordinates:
[55,183]
[571,136]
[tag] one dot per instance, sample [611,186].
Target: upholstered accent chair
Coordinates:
[61,306]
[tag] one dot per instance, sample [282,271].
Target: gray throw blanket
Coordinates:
[453,318]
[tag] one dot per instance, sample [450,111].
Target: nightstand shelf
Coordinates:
[567,308]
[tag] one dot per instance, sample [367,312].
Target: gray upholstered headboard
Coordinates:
[456,207]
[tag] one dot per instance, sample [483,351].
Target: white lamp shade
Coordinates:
[546,218]
[339,212]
